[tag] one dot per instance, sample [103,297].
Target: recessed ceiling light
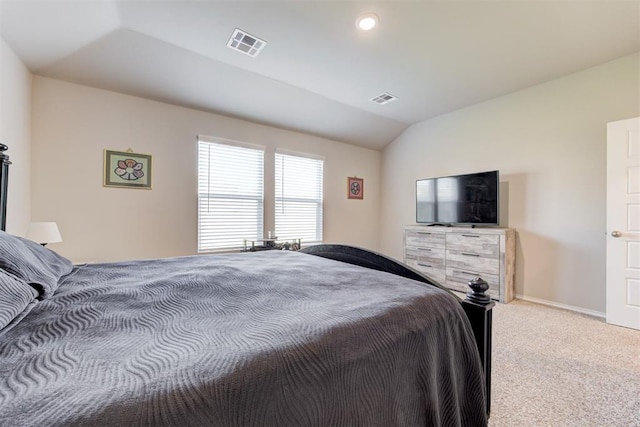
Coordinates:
[367,21]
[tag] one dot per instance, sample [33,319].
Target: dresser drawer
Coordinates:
[473,262]
[459,280]
[420,254]
[436,273]
[429,261]
[424,239]
[480,244]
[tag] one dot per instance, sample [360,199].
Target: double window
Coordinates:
[231,192]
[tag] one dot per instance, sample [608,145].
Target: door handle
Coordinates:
[616,233]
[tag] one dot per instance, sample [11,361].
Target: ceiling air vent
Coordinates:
[384,98]
[246,43]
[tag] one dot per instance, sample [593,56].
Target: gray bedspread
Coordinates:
[272,338]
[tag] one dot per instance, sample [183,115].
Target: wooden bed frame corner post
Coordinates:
[4,185]
[479,309]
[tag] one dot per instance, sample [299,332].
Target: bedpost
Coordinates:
[4,185]
[478,307]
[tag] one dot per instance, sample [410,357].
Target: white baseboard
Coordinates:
[563,306]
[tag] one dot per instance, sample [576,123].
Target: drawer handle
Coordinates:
[468,254]
[424,249]
[424,232]
[470,235]
[468,272]
[425,265]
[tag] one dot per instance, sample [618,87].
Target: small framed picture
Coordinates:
[355,188]
[127,169]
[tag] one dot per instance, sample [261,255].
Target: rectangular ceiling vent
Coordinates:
[384,98]
[246,43]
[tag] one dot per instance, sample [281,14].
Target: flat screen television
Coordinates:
[459,199]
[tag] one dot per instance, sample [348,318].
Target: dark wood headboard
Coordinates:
[4,185]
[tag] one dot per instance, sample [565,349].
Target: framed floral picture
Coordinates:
[127,169]
[355,188]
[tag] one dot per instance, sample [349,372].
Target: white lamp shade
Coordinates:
[44,232]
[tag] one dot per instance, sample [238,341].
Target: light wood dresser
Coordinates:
[455,255]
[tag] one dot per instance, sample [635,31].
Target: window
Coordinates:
[230,195]
[298,198]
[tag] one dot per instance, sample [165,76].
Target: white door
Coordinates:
[623,223]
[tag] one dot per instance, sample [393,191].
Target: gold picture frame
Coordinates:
[126,169]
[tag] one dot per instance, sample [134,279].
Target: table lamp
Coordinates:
[44,232]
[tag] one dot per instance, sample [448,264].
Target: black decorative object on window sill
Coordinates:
[271,244]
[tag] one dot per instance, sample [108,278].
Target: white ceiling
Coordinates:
[317,72]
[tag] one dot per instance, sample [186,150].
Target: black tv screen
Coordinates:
[459,199]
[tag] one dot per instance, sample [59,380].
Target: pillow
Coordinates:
[15,296]
[32,263]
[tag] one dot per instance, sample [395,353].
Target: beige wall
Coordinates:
[549,143]
[15,132]
[73,124]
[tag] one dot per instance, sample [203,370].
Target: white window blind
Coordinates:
[298,198]
[230,195]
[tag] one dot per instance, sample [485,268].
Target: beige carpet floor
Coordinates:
[553,367]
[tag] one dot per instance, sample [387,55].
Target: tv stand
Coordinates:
[454,255]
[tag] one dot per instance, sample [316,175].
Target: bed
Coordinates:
[330,335]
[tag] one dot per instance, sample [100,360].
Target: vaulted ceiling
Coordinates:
[318,72]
